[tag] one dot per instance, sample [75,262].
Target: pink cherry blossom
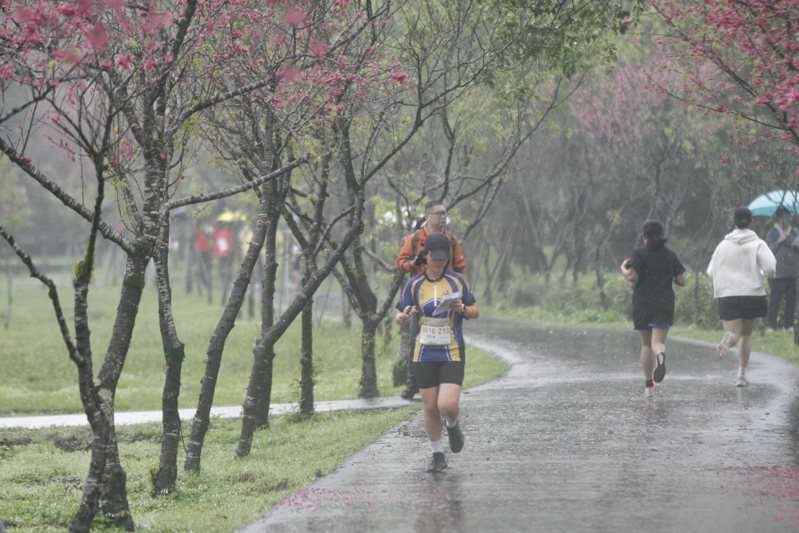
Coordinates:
[295,16]
[399,76]
[123,61]
[98,37]
[318,47]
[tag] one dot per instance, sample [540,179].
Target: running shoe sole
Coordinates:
[455,438]
[726,343]
[660,369]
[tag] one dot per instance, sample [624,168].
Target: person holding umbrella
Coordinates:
[783,242]
[767,203]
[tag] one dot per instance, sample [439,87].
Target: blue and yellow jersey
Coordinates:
[426,295]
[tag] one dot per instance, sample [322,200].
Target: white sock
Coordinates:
[450,423]
[741,371]
[436,446]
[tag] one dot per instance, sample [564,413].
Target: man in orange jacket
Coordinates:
[412,256]
[412,259]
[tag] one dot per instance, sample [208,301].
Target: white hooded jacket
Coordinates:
[739,263]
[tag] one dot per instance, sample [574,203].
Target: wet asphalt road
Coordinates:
[568,442]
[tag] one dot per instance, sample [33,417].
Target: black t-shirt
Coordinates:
[653,296]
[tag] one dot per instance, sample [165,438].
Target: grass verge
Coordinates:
[43,470]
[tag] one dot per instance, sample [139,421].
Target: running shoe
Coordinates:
[725,344]
[438,463]
[660,369]
[409,393]
[741,380]
[455,438]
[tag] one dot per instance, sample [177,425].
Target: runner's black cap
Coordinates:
[437,245]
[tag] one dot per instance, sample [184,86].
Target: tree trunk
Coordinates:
[400,371]
[217,345]
[306,348]
[371,318]
[487,294]
[114,492]
[306,361]
[388,331]
[346,313]
[368,385]
[498,277]
[174,353]
[89,504]
[105,483]
[600,277]
[255,390]
[536,246]
[268,291]
[266,344]
[363,299]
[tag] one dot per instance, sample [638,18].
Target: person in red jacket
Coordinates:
[225,255]
[412,259]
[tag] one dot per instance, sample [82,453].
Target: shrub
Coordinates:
[695,303]
[580,302]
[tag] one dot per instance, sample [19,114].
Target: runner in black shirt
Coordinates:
[653,268]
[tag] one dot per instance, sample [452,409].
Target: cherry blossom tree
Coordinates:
[639,136]
[736,57]
[115,85]
[621,155]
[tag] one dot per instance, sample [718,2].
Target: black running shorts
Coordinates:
[742,307]
[434,373]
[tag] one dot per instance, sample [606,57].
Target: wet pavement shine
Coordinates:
[568,442]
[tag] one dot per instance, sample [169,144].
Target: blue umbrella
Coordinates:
[765,204]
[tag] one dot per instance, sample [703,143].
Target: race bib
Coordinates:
[434,331]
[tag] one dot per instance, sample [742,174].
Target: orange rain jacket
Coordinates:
[414,243]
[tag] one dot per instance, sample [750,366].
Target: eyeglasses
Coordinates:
[439,213]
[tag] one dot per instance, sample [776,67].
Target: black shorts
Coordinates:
[433,373]
[662,319]
[742,307]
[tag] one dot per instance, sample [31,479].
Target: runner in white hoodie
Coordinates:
[736,270]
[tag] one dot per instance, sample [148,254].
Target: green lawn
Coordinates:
[38,377]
